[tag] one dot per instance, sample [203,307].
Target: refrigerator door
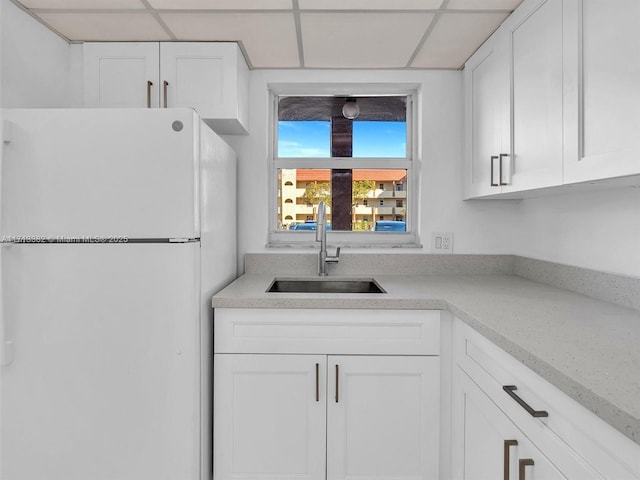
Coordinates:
[105,378]
[104,173]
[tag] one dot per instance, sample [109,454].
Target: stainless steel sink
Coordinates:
[325,285]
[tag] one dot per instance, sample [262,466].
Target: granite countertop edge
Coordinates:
[587,348]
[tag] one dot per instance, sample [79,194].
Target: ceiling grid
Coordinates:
[293,34]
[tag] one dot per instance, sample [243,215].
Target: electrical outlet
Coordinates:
[442,242]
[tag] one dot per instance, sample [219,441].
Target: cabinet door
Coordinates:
[486,443]
[601,88]
[205,76]
[383,417]
[486,85]
[535,37]
[270,413]
[118,74]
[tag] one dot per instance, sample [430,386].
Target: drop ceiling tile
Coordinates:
[369,4]
[222,4]
[84,4]
[269,39]
[455,37]
[106,26]
[483,4]
[361,40]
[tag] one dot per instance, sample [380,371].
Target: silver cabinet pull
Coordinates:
[337,375]
[511,391]
[523,464]
[502,155]
[493,158]
[165,87]
[149,85]
[507,462]
[317,382]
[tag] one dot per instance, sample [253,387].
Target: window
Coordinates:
[398,203]
[320,153]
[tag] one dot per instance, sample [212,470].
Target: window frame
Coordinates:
[410,163]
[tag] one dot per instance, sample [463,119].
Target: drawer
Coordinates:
[327,331]
[567,422]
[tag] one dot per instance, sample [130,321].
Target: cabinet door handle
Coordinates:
[493,158]
[511,391]
[523,464]
[149,85]
[317,382]
[502,155]
[337,383]
[165,88]
[507,462]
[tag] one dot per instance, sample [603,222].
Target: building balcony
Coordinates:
[391,194]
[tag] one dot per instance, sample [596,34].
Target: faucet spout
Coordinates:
[321,236]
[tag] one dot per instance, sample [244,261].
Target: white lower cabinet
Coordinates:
[268,421]
[532,432]
[327,416]
[489,445]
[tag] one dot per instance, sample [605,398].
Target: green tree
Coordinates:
[360,190]
[316,192]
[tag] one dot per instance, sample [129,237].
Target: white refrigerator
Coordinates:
[117,227]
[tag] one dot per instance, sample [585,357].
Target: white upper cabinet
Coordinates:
[602,89]
[213,78]
[121,75]
[573,101]
[513,104]
[535,37]
[486,87]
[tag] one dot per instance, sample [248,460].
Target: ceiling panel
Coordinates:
[84,4]
[483,4]
[269,39]
[365,40]
[222,4]
[106,26]
[369,4]
[455,37]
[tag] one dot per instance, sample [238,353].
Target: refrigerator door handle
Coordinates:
[6,355]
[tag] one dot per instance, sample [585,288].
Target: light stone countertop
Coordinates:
[588,348]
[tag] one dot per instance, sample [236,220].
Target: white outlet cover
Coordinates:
[442,242]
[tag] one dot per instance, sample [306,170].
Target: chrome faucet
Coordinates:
[321,236]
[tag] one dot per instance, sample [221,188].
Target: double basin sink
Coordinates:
[325,285]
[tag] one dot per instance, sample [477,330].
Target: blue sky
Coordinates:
[370,139]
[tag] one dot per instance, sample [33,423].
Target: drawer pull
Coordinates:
[507,445]
[337,374]
[511,391]
[317,382]
[525,462]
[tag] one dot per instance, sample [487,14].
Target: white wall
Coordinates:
[479,227]
[35,63]
[598,230]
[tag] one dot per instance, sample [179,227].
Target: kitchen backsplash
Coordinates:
[619,289]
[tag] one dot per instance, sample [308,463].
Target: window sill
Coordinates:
[344,239]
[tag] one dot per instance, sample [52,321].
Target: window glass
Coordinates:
[304,139]
[351,153]
[301,189]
